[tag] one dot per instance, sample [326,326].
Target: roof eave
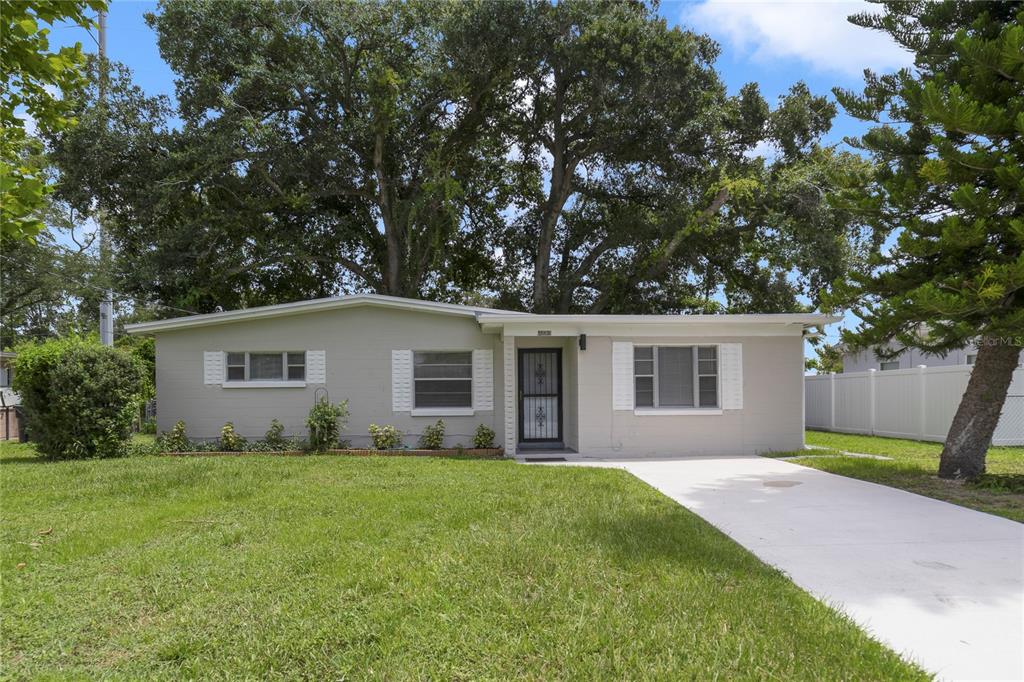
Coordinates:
[300,307]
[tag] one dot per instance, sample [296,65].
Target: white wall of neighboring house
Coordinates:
[908,359]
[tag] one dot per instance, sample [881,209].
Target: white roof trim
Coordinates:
[314,305]
[498,319]
[490,320]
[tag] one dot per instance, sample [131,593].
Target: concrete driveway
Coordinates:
[941,584]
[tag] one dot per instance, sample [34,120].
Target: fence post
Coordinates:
[871,398]
[832,401]
[922,395]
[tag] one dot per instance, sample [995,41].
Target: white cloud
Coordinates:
[815,32]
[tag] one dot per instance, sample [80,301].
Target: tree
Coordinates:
[829,359]
[368,121]
[950,171]
[319,152]
[639,186]
[46,286]
[31,73]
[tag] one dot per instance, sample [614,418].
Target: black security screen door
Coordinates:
[540,395]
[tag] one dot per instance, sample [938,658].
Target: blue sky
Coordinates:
[774,43]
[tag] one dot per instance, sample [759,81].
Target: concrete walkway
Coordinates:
[941,584]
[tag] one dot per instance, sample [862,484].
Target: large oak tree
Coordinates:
[571,156]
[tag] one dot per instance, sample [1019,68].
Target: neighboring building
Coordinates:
[9,400]
[601,385]
[865,360]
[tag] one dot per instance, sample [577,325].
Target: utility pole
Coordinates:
[107,304]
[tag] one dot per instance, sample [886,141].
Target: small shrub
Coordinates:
[175,440]
[274,437]
[148,426]
[385,437]
[230,441]
[80,399]
[326,421]
[484,437]
[433,436]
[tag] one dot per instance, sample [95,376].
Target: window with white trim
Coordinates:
[675,376]
[890,365]
[971,357]
[266,366]
[442,379]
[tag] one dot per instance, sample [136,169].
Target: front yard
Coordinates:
[914,466]
[393,568]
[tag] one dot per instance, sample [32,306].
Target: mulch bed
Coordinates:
[467,453]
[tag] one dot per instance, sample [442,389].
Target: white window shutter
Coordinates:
[401,381]
[731,363]
[483,380]
[316,366]
[213,367]
[622,375]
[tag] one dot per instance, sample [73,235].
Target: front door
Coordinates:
[540,395]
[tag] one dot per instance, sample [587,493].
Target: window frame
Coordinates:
[248,382]
[449,410]
[696,408]
[882,365]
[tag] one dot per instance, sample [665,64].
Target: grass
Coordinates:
[390,568]
[914,467]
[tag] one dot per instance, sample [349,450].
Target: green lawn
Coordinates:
[914,466]
[390,568]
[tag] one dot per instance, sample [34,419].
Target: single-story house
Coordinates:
[600,385]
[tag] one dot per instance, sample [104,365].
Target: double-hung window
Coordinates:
[266,366]
[675,376]
[442,379]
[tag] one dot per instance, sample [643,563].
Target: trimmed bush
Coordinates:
[230,441]
[385,437]
[433,436]
[80,398]
[484,437]
[326,421]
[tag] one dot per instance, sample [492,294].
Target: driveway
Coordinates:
[941,584]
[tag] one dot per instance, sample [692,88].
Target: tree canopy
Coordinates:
[41,84]
[570,156]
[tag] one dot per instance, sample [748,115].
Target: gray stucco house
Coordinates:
[600,385]
[864,360]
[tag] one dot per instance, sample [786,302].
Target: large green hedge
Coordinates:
[79,397]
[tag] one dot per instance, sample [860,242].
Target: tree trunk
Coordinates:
[963,455]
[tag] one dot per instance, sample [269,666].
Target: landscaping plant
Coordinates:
[385,437]
[80,398]
[175,440]
[484,437]
[274,437]
[433,436]
[230,441]
[326,421]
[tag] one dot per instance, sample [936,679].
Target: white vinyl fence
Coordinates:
[914,403]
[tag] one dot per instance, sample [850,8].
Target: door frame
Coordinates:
[559,396]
